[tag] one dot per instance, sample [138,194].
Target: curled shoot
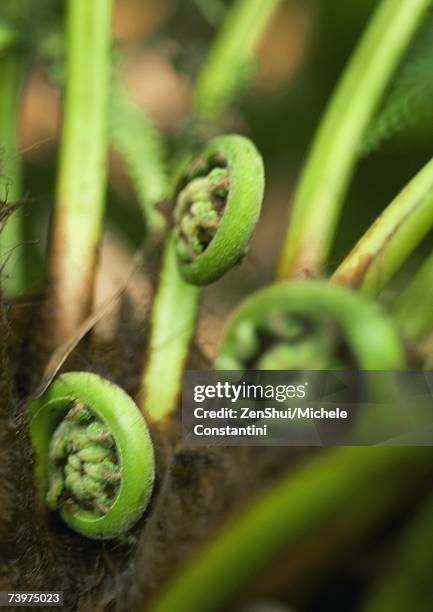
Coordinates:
[94,456]
[309,325]
[217,208]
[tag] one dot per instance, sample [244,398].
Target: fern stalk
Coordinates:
[408,585]
[12,234]
[232,52]
[414,308]
[329,168]
[173,320]
[393,236]
[343,492]
[82,173]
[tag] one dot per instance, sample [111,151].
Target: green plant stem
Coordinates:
[414,307]
[172,324]
[347,486]
[82,173]
[232,51]
[335,151]
[12,234]
[409,585]
[212,10]
[394,235]
[234,45]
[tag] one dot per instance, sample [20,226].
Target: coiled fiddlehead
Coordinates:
[217,208]
[94,456]
[309,325]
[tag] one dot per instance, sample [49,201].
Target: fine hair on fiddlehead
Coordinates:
[86,471]
[217,207]
[142,149]
[199,206]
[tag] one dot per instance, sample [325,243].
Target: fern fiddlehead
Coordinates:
[309,325]
[217,208]
[235,44]
[94,456]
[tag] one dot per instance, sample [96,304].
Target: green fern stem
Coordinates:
[408,585]
[231,54]
[342,492]
[12,234]
[332,160]
[82,172]
[414,307]
[172,326]
[218,201]
[393,236]
[215,88]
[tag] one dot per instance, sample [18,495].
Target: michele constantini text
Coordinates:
[258,428]
[270,413]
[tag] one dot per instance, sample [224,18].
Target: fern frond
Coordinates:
[142,149]
[410,99]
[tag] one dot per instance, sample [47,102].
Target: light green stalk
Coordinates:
[212,10]
[343,492]
[329,168]
[409,585]
[12,234]
[414,308]
[82,172]
[392,237]
[233,50]
[173,319]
